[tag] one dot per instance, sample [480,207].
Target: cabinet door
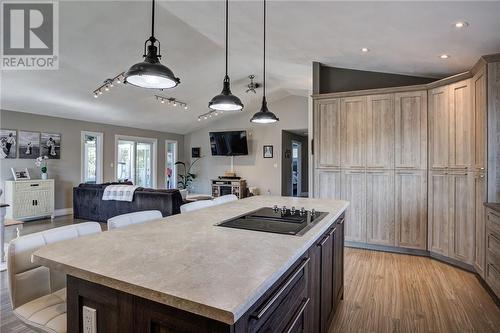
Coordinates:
[44,202]
[353,132]
[462,126]
[411,209]
[327,184]
[411,130]
[326,281]
[380,207]
[480,245]
[338,263]
[327,133]
[462,224]
[439,212]
[353,185]
[479,105]
[380,132]
[439,127]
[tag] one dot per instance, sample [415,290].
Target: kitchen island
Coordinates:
[184,273]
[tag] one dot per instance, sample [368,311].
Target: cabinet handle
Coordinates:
[324,240]
[262,312]
[32,202]
[305,302]
[36,202]
[34,184]
[332,231]
[481,176]
[481,168]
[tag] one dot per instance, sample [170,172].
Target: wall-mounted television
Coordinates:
[230,143]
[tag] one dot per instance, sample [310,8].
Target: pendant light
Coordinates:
[150,73]
[226,101]
[264,116]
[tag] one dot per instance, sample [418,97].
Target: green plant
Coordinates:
[186,177]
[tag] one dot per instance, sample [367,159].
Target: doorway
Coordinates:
[294,163]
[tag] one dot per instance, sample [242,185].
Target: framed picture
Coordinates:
[50,145]
[268,151]
[8,143]
[29,144]
[195,152]
[20,174]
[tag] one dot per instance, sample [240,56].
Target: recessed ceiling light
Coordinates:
[444,56]
[461,24]
[365,49]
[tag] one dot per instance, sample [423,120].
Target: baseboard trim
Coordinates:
[63,211]
[385,248]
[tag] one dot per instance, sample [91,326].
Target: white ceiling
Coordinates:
[102,38]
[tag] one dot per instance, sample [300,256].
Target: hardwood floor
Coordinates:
[386,292]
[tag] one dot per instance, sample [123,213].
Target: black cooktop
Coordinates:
[277,220]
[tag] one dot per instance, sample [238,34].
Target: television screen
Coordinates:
[228,143]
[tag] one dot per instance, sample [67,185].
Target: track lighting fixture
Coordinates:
[171,101]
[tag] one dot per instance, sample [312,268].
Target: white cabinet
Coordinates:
[29,199]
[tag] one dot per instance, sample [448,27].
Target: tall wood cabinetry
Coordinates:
[381,169]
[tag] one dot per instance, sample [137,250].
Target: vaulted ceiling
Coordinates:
[99,39]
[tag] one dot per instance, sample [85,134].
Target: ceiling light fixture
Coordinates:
[108,84]
[150,73]
[226,101]
[264,116]
[171,101]
[209,114]
[365,50]
[444,56]
[461,24]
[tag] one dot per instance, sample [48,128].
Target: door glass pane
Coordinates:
[143,166]
[125,161]
[90,159]
[171,171]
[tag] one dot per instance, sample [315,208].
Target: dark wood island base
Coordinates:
[304,299]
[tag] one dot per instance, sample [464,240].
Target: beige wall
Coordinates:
[67,170]
[259,172]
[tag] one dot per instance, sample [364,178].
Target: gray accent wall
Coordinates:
[263,173]
[335,79]
[67,170]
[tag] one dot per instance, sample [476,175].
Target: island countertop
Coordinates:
[187,262]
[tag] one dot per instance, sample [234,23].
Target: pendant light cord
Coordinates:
[264,74]
[153,19]
[227,29]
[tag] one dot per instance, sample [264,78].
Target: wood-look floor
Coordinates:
[384,292]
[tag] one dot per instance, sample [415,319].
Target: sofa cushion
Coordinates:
[47,313]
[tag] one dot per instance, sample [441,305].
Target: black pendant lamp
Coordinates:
[151,73]
[264,116]
[226,101]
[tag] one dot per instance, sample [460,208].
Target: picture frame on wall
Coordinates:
[195,152]
[8,143]
[50,145]
[267,151]
[20,173]
[29,144]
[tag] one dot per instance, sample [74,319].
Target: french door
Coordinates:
[136,160]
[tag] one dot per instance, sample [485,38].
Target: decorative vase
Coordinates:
[44,175]
[184,193]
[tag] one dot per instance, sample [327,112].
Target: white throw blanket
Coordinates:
[119,192]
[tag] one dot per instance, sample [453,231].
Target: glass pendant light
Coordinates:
[151,73]
[226,101]
[264,116]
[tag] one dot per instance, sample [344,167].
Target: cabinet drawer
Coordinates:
[278,311]
[492,276]
[493,243]
[33,185]
[493,222]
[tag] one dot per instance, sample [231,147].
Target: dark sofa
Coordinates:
[88,203]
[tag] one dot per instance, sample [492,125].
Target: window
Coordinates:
[170,167]
[92,159]
[136,160]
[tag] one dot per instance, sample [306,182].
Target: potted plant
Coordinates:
[186,177]
[41,162]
